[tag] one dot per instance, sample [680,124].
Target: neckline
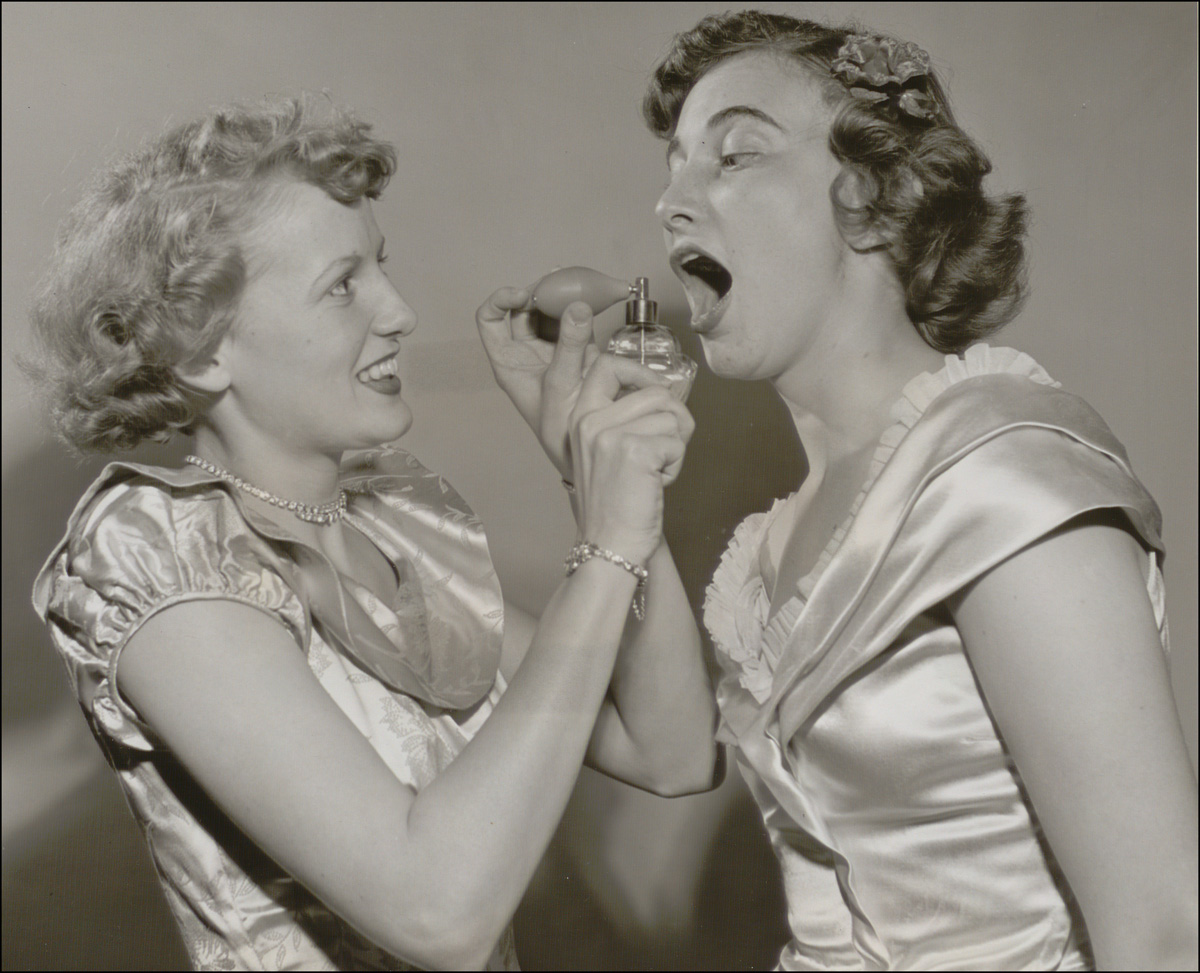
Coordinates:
[914,398]
[363,527]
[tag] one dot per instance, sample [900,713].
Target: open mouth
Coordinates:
[708,284]
[383,374]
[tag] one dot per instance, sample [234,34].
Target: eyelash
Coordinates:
[348,279]
[731,157]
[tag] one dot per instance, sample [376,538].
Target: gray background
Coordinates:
[521,148]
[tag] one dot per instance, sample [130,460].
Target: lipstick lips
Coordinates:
[389,385]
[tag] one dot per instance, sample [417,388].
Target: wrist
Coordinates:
[630,545]
[585,551]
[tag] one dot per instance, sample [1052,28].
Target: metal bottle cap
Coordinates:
[639,309]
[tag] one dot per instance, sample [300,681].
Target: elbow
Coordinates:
[699,769]
[708,774]
[702,771]
[457,952]
[447,935]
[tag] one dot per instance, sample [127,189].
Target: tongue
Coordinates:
[712,274]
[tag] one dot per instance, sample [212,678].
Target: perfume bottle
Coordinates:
[645,340]
[555,292]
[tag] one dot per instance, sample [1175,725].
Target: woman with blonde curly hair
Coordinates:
[344,752]
[944,673]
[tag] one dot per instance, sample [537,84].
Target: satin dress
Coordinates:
[899,820]
[417,674]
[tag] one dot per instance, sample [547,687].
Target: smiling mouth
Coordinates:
[708,284]
[382,374]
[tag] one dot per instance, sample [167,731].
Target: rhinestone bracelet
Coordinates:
[586,550]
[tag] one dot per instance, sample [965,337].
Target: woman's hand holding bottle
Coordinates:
[625,451]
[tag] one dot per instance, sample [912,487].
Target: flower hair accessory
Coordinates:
[884,69]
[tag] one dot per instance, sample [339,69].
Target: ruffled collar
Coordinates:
[737,608]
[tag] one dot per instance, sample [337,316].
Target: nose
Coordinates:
[679,205]
[394,316]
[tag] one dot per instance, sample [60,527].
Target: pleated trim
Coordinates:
[749,641]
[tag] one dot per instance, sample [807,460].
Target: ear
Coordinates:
[207,373]
[853,193]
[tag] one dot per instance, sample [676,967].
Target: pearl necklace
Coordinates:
[324,513]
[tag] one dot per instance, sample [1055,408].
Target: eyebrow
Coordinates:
[719,118]
[347,264]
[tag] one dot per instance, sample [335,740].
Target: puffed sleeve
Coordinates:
[134,547]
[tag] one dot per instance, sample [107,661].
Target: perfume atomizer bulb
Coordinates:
[559,289]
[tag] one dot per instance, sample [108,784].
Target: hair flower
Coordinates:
[880,69]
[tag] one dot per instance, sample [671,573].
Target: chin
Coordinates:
[397,428]
[725,362]
[386,429]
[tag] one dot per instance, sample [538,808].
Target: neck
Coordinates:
[287,472]
[841,389]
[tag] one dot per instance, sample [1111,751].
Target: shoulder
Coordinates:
[143,539]
[993,392]
[993,429]
[152,531]
[418,510]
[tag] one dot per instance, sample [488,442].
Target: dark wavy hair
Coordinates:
[958,251]
[149,266]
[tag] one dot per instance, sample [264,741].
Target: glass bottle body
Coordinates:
[655,347]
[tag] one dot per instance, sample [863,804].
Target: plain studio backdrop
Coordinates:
[521,148]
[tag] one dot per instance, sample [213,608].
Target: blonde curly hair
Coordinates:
[149,266]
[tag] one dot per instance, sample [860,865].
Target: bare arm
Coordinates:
[1063,640]
[434,876]
[656,729]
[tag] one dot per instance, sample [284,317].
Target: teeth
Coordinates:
[380,370]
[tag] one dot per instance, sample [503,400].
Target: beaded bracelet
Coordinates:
[586,550]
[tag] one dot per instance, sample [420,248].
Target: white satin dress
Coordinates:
[898,818]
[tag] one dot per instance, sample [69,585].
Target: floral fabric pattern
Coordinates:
[144,539]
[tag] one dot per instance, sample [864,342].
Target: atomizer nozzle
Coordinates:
[639,309]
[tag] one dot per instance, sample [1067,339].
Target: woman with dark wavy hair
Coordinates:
[943,655]
[293,649]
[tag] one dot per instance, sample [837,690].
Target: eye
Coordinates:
[344,287]
[736,160]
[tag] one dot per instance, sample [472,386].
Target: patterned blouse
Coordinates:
[417,676]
